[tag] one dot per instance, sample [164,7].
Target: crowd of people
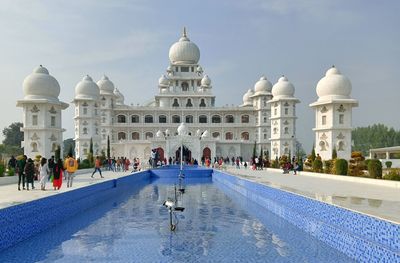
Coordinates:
[44,171]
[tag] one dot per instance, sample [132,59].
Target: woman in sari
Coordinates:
[58,174]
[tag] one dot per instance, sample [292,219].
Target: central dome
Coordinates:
[333,85]
[184,51]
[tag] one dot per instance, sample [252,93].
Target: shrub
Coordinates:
[355,155]
[341,166]
[2,169]
[317,166]
[388,164]
[275,164]
[393,174]
[11,172]
[375,168]
[328,166]
[366,162]
[85,164]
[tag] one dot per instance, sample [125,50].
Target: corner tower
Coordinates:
[41,114]
[283,118]
[87,117]
[333,115]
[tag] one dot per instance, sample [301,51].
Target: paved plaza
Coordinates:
[382,201]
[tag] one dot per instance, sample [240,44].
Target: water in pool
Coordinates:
[217,225]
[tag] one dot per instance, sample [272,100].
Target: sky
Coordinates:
[239,41]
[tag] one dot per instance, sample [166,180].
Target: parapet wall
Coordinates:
[361,237]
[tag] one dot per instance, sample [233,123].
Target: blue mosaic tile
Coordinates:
[364,238]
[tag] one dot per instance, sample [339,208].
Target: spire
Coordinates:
[184,32]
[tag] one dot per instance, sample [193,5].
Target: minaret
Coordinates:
[262,94]
[283,119]
[87,118]
[333,113]
[42,125]
[107,103]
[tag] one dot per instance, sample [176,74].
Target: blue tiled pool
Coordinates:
[218,225]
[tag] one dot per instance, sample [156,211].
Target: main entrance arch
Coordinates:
[187,154]
[206,153]
[160,152]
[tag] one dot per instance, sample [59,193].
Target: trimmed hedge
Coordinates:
[317,166]
[375,168]
[388,164]
[341,166]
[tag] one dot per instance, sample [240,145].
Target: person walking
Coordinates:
[50,164]
[57,174]
[29,173]
[21,173]
[44,173]
[97,167]
[70,165]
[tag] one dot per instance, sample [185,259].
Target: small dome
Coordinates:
[184,51]
[159,134]
[41,85]
[283,88]
[247,101]
[199,69]
[163,81]
[120,98]
[205,134]
[182,129]
[263,85]
[205,81]
[333,85]
[169,68]
[87,89]
[105,85]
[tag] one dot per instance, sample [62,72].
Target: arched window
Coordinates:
[185,86]
[189,119]
[121,136]
[275,130]
[340,146]
[216,119]
[189,103]
[135,119]
[215,134]
[148,135]
[121,119]
[148,119]
[229,119]
[202,103]
[85,131]
[176,103]
[162,119]
[135,136]
[228,136]
[176,119]
[245,118]
[202,119]
[245,136]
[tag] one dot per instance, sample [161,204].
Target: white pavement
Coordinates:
[9,194]
[382,201]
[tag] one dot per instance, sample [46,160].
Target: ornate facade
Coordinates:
[184,96]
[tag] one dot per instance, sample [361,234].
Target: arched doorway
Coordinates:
[187,154]
[160,152]
[206,153]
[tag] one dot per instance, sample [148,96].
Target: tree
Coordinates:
[313,153]
[108,146]
[69,147]
[57,153]
[255,150]
[334,153]
[90,155]
[375,136]
[13,136]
